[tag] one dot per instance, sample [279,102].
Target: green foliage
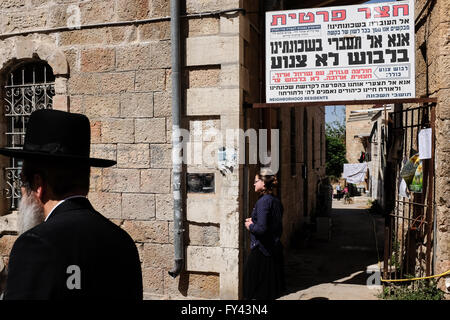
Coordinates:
[420,290]
[335,144]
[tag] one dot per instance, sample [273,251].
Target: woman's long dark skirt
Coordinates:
[264,275]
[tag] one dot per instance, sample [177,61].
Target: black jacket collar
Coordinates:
[71,204]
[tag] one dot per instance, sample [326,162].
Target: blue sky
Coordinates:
[333,113]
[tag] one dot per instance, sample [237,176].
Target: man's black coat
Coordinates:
[75,243]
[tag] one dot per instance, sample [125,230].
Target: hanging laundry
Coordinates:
[355,172]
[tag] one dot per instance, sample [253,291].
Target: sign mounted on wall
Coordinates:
[359,52]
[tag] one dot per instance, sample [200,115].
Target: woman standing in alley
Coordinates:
[263,272]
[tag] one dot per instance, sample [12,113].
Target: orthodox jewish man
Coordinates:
[66,249]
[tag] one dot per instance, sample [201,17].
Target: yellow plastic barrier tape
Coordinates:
[421,278]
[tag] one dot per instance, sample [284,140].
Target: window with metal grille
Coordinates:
[29,86]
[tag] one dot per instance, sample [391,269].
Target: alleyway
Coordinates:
[336,269]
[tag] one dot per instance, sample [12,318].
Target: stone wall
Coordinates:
[120,77]
[433,79]
[356,125]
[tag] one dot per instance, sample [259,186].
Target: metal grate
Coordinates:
[29,87]
[409,233]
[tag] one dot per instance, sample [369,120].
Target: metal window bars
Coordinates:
[409,226]
[29,87]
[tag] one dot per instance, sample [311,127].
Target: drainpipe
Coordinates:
[176,143]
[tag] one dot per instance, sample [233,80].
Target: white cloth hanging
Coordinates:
[355,172]
[425,144]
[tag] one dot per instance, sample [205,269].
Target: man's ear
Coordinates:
[39,187]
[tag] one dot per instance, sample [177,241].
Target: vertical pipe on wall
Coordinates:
[176,143]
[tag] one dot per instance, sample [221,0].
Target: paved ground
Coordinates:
[335,269]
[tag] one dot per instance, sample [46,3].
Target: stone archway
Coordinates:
[35,47]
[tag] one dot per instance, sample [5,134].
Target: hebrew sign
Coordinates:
[358,52]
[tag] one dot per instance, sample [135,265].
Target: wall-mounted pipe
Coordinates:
[176,142]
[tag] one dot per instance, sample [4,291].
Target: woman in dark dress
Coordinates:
[263,272]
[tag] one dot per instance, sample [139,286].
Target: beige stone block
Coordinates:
[197,6]
[96,12]
[107,203]
[229,226]
[230,75]
[229,25]
[117,130]
[161,156]
[132,9]
[164,207]
[212,50]
[12,4]
[194,285]
[61,102]
[59,15]
[203,235]
[443,107]
[97,60]
[96,131]
[162,104]
[120,180]
[134,57]
[135,229]
[24,48]
[203,77]
[158,255]
[151,130]
[95,36]
[161,54]
[212,101]
[150,80]
[203,209]
[147,231]
[201,27]
[61,86]
[204,259]
[138,206]
[95,181]
[133,155]
[153,280]
[102,106]
[154,31]
[121,35]
[6,244]
[17,21]
[104,151]
[83,83]
[155,181]
[8,224]
[229,286]
[59,64]
[159,8]
[116,82]
[76,105]
[136,105]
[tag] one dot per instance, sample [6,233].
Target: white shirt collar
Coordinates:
[60,203]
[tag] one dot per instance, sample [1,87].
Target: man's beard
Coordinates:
[31,212]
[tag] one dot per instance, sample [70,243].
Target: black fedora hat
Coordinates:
[60,136]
